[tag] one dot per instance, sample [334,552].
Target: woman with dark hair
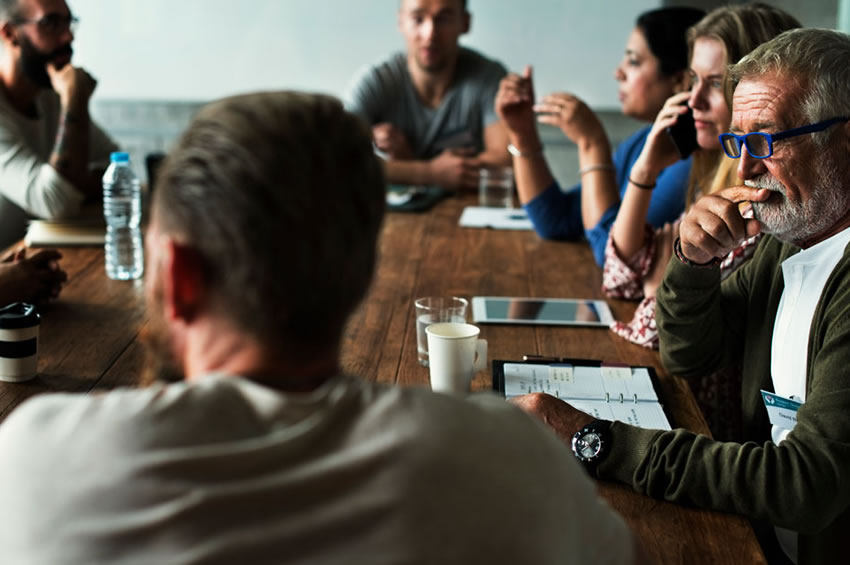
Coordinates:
[638,250]
[653,68]
[637,254]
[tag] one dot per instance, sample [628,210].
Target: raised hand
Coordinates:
[74,85]
[515,105]
[658,152]
[572,116]
[714,226]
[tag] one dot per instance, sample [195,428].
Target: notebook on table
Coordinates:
[495,218]
[83,232]
[606,391]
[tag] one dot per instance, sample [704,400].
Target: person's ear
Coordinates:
[466,23]
[8,33]
[184,282]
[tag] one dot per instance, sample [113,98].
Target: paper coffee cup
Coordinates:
[19,323]
[456,354]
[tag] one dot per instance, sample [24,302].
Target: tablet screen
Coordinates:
[542,310]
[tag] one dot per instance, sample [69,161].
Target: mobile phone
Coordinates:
[540,311]
[683,134]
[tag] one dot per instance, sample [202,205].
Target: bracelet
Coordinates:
[514,150]
[641,185]
[591,168]
[677,249]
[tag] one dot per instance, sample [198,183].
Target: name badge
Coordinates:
[782,411]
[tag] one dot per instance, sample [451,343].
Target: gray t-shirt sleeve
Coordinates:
[374,88]
[358,97]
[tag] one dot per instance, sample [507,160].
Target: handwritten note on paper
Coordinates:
[607,392]
[648,415]
[523,378]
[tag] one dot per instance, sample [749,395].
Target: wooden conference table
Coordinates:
[90,340]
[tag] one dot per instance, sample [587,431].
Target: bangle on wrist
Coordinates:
[599,167]
[677,249]
[642,185]
[514,150]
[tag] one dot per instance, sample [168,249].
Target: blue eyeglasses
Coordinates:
[760,145]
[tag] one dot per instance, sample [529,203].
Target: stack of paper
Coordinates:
[496,218]
[78,232]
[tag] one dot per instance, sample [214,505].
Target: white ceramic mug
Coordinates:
[455,354]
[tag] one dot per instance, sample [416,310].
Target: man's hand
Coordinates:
[559,415]
[391,141]
[30,279]
[514,105]
[74,85]
[455,168]
[714,226]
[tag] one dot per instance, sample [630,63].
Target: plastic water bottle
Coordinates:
[122,210]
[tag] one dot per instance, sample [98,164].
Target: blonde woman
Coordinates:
[636,254]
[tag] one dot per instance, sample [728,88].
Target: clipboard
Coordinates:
[609,391]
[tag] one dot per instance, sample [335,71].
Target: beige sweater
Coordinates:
[29,186]
[227,471]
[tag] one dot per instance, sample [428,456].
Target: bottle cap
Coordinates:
[119,157]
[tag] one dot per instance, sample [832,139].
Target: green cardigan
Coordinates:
[803,484]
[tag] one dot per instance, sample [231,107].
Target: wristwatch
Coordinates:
[592,443]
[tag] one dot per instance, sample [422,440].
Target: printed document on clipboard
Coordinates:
[605,391]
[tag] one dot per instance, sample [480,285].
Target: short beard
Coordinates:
[34,62]
[798,222]
[160,364]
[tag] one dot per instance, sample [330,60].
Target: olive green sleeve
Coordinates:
[694,308]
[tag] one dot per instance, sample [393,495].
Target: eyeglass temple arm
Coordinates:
[811,128]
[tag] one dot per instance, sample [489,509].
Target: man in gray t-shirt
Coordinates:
[431,108]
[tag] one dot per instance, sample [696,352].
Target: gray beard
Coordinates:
[798,222]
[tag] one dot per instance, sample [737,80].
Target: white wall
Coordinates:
[844,16]
[204,49]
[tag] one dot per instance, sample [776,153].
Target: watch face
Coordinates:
[589,445]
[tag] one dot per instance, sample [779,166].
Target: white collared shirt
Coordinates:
[805,274]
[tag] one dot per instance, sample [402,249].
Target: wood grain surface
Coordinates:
[90,340]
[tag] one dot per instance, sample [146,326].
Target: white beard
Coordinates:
[797,222]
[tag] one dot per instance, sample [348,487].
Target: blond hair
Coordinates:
[740,29]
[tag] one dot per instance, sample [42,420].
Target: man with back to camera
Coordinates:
[431,108]
[48,142]
[262,450]
[784,316]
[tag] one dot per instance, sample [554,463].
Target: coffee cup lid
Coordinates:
[18,315]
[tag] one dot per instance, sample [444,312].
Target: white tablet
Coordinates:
[546,311]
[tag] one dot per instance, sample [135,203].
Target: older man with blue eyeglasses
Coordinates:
[784,316]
